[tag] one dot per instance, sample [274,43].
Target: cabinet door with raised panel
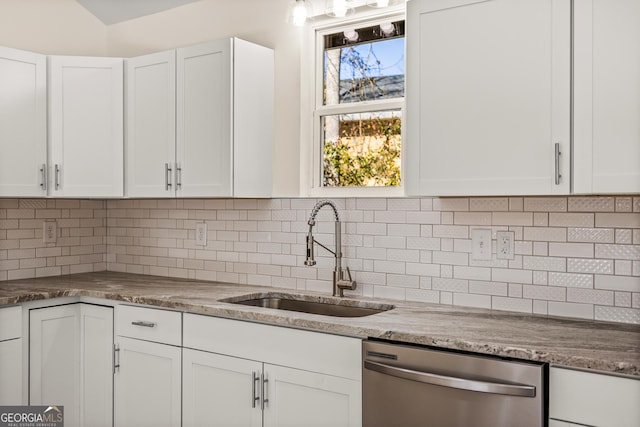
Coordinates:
[23,123]
[296,398]
[607,96]
[488,97]
[204,120]
[147,384]
[220,390]
[86,126]
[150,143]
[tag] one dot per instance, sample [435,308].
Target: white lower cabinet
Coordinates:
[220,390]
[244,374]
[147,384]
[294,397]
[71,362]
[11,356]
[592,399]
[148,367]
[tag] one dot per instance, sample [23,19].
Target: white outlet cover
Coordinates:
[201,234]
[481,244]
[49,231]
[505,242]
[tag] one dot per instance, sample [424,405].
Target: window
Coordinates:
[359,98]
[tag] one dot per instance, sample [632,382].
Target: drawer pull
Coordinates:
[144,323]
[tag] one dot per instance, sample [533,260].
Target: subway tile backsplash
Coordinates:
[574,256]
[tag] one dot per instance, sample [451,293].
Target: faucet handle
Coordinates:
[346,284]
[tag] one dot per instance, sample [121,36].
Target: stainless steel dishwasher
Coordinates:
[407,386]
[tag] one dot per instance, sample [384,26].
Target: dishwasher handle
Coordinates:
[452,382]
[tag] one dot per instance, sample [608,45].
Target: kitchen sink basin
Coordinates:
[336,308]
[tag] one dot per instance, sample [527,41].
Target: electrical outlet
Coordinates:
[201,234]
[504,244]
[49,231]
[481,244]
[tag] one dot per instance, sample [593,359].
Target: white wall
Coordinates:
[55,27]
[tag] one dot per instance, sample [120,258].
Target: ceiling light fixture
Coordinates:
[338,8]
[381,3]
[299,13]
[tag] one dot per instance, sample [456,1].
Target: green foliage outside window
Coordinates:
[349,162]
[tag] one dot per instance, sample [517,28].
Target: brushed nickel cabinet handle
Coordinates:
[178,176]
[557,156]
[255,398]
[167,176]
[116,358]
[265,397]
[144,323]
[57,177]
[43,177]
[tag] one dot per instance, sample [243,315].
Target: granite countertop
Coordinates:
[603,346]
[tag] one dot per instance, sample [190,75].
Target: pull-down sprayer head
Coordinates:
[310,260]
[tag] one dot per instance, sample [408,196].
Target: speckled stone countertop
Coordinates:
[609,347]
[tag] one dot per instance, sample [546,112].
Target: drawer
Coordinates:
[150,324]
[310,351]
[10,323]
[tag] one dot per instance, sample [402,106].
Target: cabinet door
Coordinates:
[86,126]
[71,363]
[220,390]
[593,399]
[151,125]
[96,366]
[488,97]
[11,372]
[54,359]
[607,96]
[296,398]
[204,102]
[23,123]
[147,384]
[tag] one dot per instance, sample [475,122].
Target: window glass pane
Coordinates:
[362,149]
[364,64]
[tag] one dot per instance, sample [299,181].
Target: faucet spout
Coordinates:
[340,281]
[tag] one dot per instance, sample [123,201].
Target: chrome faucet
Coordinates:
[340,282]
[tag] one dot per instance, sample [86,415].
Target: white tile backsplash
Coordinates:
[575,256]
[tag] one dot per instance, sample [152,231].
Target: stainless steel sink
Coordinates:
[336,308]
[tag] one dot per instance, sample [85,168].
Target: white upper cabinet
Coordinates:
[86,126]
[150,142]
[205,120]
[23,123]
[607,96]
[488,97]
[200,121]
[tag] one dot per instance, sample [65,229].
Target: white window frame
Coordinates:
[312,108]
